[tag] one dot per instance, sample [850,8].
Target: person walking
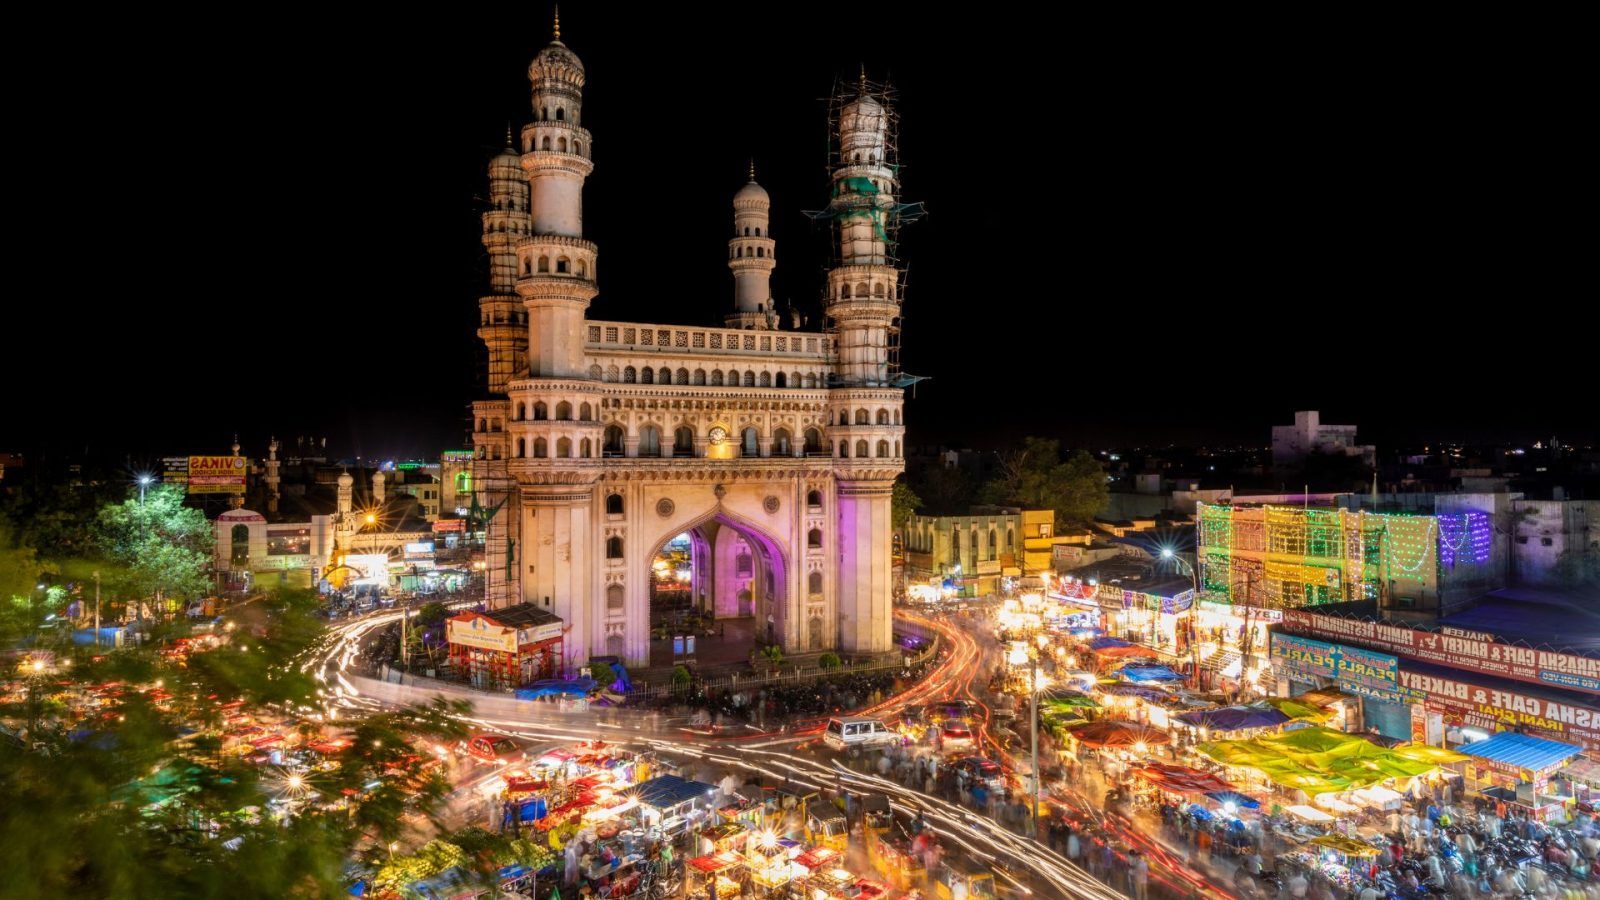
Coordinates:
[1138,875]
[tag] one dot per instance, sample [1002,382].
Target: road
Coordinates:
[1027,865]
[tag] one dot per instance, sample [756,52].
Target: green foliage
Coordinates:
[432,615]
[681,677]
[903,504]
[941,490]
[158,548]
[773,654]
[602,673]
[829,660]
[1035,477]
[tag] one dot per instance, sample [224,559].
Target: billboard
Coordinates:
[1365,673]
[1471,651]
[1464,702]
[217,474]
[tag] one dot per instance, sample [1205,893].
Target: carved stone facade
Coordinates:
[608,439]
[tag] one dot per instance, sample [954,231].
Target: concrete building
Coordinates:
[1291,444]
[976,551]
[602,441]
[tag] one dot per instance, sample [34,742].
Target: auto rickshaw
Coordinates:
[954,878]
[785,802]
[826,828]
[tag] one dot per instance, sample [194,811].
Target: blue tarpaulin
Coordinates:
[666,791]
[1101,643]
[1237,799]
[1145,674]
[1522,751]
[1233,718]
[580,687]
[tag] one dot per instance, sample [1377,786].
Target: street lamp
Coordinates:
[144,482]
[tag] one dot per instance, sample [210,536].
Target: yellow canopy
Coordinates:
[1342,844]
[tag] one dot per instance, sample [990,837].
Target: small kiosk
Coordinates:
[505,648]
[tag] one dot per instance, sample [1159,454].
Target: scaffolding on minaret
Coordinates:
[858,198]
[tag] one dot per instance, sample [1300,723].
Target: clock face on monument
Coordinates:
[718,434]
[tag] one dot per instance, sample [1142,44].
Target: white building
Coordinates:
[1291,444]
[602,441]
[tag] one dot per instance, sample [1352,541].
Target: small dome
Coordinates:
[555,57]
[752,193]
[345,480]
[507,159]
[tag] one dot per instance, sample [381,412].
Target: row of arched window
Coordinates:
[715,378]
[563,265]
[862,289]
[614,550]
[761,253]
[863,417]
[614,442]
[747,231]
[508,204]
[516,228]
[541,412]
[560,145]
[560,116]
[863,450]
[564,448]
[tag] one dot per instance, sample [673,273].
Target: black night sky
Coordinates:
[1143,231]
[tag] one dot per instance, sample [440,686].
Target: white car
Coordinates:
[858,732]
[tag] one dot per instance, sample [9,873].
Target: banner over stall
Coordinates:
[1357,670]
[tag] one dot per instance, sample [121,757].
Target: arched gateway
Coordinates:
[739,436]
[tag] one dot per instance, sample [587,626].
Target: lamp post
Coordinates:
[144,482]
[1033,729]
[1194,611]
[96,574]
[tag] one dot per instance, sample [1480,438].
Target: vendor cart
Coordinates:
[725,870]
[893,859]
[959,878]
[826,828]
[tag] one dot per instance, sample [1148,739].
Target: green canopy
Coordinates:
[1321,760]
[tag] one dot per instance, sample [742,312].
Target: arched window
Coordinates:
[563,411]
[614,599]
[780,443]
[544,264]
[522,448]
[613,441]
[751,445]
[766,379]
[844,292]
[647,375]
[561,145]
[844,449]
[649,441]
[749,379]
[897,417]
[813,498]
[844,417]
[861,289]
[814,583]
[861,449]
[813,440]
[738,253]
[540,411]
[522,410]
[814,538]
[761,252]
[716,377]
[613,548]
[586,448]
[994,543]
[877,289]
[883,417]
[527,266]
[747,231]
[883,449]
[683,441]
[541,449]
[563,448]
[780,380]
[811,380]
[794,379]
[699,376]
[583,268]
[585,411]
[596,374]
[629,375]
[613,504]
[816,633]
[577,147]
[560,113]
[733,378]
[545,144]
[563,265]
[544,114]
[896,449]
[862,418]
[681,377]
[743,564]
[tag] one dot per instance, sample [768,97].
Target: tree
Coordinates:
[432,614]
[1035,477]
[941,489]
[158,548]
[903,504]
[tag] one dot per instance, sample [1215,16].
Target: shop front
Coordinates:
[1457,707]
[505,648]
[1368,677]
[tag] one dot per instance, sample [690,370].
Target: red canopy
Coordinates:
[1182,779]
[711,865]
[1108,733]
[817,857]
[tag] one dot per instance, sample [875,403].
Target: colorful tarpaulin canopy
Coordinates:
[1320,760]
[1341,844]
[1181,779]
[1234,718]
[1066,700]
[1297,709]
[1110,733]
[1308,814]
[1134,690]
[1524,752]
[1107,643]
[1236,798]
[1147,674]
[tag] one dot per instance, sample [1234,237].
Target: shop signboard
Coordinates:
[217,474]
[1358,671]
[1494,709]
[479,632]
[444,525]
[1471,651]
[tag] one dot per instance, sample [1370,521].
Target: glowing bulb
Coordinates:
[295,782]
[37,665]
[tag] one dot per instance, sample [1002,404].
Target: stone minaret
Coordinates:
[862,304]
[750,256]
[273,478]
[557,266]
[377,488]
[502,322]
[346,494]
